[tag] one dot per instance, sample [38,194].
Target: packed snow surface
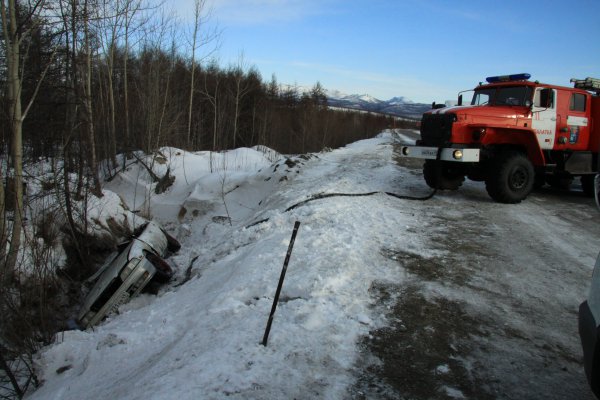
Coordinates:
[200,337]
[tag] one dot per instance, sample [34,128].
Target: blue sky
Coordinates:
[424,50]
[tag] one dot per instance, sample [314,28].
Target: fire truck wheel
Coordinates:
[510,178]
[442,175]
[587,185]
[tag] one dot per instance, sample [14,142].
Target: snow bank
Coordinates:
[201,339]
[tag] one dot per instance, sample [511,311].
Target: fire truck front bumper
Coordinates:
[446,153]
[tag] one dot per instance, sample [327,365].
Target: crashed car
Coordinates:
[589,320]
[128,272]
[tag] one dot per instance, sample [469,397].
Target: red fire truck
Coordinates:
[515,134]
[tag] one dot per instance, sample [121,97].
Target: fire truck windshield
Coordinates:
[502,96]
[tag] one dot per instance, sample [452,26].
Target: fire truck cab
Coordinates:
[513,135]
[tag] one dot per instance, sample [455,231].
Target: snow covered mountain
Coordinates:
[399,106]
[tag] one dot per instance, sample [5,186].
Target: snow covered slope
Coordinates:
[199,338]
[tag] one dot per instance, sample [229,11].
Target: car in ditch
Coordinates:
[137,265]
[589,320]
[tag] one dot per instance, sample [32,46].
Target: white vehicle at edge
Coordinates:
[589,320]
[125,274]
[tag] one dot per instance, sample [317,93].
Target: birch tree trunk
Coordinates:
[87,94]
[3,235]
[126,87]
[199,4]
[12,41]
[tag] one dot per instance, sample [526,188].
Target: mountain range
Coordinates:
[398,106]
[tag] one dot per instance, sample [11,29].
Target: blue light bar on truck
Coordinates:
[508,78]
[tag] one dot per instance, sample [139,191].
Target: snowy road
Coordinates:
[455,297]
[494,316]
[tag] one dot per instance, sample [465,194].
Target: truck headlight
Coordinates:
[405,151]
[457,154]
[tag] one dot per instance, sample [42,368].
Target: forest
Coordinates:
[86,82]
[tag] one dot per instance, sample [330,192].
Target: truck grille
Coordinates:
[436,129]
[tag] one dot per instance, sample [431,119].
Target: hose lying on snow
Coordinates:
[319,196]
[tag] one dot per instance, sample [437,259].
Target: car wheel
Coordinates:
[152,288]
[173,244]
[164,272]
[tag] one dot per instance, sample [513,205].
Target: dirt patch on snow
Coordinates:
[429,269]
[422,353]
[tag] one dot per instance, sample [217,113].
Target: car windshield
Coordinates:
[501,96]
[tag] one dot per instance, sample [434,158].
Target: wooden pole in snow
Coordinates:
[281,278]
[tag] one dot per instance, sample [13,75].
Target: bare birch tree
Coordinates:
[197,10]
[87,100]
[115,24]
[110,22]
[241,87]
[201,17]
[14,33]
[12,42]
[3,235]
[132,8]
[214,100]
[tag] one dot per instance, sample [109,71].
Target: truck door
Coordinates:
[544,120]
[576,129]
